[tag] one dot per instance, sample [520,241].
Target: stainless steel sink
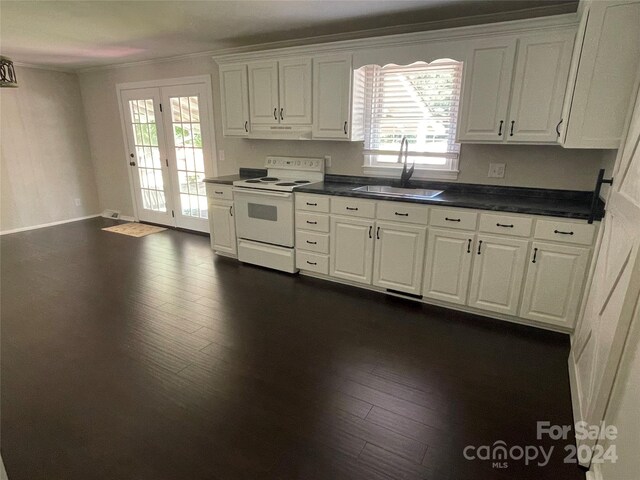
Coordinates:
[399,192]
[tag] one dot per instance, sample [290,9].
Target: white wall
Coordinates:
[45,162]
[533,166]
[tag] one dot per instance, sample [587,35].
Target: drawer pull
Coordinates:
[479,246]
[311,223]
[312,204]
[504,225]
[451,219]
[311,243]
[402,214]
[353,209]
[218,192]
[312,263]
[562,233]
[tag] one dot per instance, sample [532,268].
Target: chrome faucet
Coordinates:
[406,172]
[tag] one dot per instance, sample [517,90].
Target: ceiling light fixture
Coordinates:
[7,73]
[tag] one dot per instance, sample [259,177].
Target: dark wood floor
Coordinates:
[148,358]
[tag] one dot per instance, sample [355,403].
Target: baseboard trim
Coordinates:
[45,225]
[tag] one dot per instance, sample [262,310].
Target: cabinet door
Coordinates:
[351,249]
[554,283]
[332,96]
[497,274]
[399,256]
[295,91]
[263,93]
[601,86]
[538,88]
[223,227]
[487,84]
[235,100]
[448,265]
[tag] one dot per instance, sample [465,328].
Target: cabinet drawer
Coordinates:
[312,262]
[446,217]
[356,208]
[312,203]
[561,231]
[312,221]
[402,212]
[314,242]
[506,224]
[215,191]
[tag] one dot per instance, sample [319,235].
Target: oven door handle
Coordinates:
[264,193]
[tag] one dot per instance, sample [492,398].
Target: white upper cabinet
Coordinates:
[514,89]
[263,93]
[554,283]
[487,83]
[539,84]
[234,100]
[295,91]
[332,89]
[603,72]
[448,265]
[398,257]
[497,274]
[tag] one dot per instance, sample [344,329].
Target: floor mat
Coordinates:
[134,229]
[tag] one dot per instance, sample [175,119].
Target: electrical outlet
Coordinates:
[327,161]
[221,155]
[496,170]
[78,202]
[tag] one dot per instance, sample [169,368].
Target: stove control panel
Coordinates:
[296,163]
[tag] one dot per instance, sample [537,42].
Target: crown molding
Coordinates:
[44,67]
[559,13]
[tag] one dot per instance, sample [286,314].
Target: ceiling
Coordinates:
[85,34]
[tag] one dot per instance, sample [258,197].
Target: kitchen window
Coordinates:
[419,101]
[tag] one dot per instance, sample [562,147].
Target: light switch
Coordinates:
[496,170]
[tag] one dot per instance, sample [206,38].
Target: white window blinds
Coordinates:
[419,101]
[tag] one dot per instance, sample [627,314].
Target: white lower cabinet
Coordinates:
[448,265]
[398,257]
[554,283]
[351,249]
[223,227]
[497,274]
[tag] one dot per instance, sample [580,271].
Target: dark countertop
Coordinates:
[536,201]
[241,175]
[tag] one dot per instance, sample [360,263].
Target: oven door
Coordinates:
[264,216]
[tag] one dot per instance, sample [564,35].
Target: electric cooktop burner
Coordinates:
[301,181]
[286,184]
[253,181]
[269,179]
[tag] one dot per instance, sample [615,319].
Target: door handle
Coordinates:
[275,113]
[479,246]
[370,229]
[500,128]
[558,128]
[378,233]
[246,126]
[345,128]
[469,246]
[231,210]
[282,114]
[513,122]
[535,254]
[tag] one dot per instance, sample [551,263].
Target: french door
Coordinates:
[169,140]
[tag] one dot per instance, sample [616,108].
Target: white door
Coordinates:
[295,91]
[234,95]
[538,87]
[615,289]
[487,85]
[263,93]
[399,257]
[187,126]
[448,265]
[332,77]
[147,155]
[497,274]
[223,228]
[553,284]
[352,249]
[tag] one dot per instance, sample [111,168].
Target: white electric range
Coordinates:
[264,211]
